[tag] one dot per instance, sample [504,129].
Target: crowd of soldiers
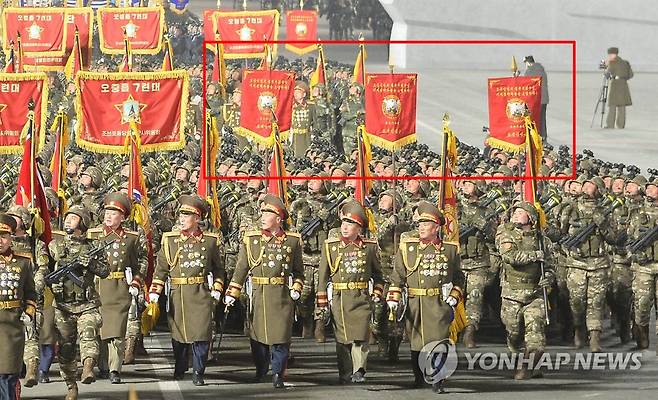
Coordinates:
[315,259]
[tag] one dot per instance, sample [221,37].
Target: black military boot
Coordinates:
[115,378]
[642,337]
[43,377]
[277,381]
[197,379]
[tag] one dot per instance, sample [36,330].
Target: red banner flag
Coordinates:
[43,30]
[30,188]
[390,101]
[242,26]
[144,27]
[319,76]
[508,100]
[58,162]
[107,102]
[83,19]
[16,90]
[264,92]
[301,25]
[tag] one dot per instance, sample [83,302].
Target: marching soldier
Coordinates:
[77,312]
[523,308]
[474,254]
[349,263]
[270,260]
[22,243]
[352,114]
[306,209]
[127,260]
[303,119]
[324,124]
[191,263]
[587,278]
[231,116]
[645,263]
[429,270]
[90,196]
[18,302]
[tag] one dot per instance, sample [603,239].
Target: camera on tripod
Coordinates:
[603,64]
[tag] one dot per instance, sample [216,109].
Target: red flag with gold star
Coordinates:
[107,102]
[143,26]
[242,26]
[43,30]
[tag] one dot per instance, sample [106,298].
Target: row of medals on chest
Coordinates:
[353,261]
[274,251]
[433,264]
[9,278]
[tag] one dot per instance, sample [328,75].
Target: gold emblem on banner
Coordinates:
[130,110]
[246,33]
[301,29]
[34,31]
[516,109]
[391,106]
[131,29]
[267,103]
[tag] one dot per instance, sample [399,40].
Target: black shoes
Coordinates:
[277,381]
[43,377]
[359,376]
[197,379]
[114,377]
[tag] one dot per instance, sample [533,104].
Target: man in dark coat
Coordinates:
[619,96]
[536,69]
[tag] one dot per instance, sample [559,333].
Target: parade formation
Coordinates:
[300,201]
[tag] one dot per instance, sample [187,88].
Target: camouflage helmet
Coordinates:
[21,213]
[528,208]
[394,195]
[82,212]
[95,174]
[598,182]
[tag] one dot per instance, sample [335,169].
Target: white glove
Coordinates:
[229,300]
[294,295]
[26,318]
[451,301]
[216,294]
[133,291]
[153,297]
[393,305]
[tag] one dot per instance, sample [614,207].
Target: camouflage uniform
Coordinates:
[645,269]
[589,266]
[324,123]
[352,111]
[77,310]
[302,211]
[475,264]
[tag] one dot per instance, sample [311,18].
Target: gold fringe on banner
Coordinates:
[265,141]
[116,76]
[301,51]
[22,10]
[41,127]
[101,37]
[503,145]
[213,18]
[392,146]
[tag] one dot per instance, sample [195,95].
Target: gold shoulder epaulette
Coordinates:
[452,243]
[212,234]
[294,234]
[170,234]
[333,240]
[59,233]
[409,239]
[24,255]
[253,233]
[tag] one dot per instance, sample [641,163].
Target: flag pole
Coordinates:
[60,200]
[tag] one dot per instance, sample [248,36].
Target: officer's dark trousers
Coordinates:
[263,354]
[47,354]
[9,384]
[199,356]
[418,374]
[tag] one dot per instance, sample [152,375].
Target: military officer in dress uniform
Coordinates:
[127,259]
[351,264]
[270,262]
[22,243]
[18,302]
[77,312]
[303,119]
[191,265]
[619,71]
[430,271]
